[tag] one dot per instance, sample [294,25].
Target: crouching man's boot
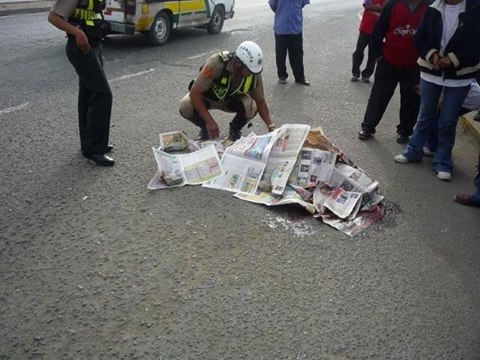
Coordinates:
[236,126]
[198,121]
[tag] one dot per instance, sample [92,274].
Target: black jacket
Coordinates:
[463,48]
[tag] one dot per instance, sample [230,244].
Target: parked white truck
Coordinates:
[157,18]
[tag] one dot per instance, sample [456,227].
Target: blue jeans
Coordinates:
[453,98]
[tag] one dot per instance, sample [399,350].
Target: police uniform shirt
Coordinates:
[213,67]
[64,8]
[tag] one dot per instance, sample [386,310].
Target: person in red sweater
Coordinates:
[371,13]
[392,46]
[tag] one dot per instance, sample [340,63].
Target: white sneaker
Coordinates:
[444,175]
[400,159]
[428,152]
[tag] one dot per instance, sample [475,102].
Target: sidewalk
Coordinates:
[469,125]
[10,7]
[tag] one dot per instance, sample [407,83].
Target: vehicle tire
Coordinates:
[160,30]
[216,21]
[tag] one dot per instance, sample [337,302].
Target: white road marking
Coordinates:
[123,77]
[201,55]
[13,108]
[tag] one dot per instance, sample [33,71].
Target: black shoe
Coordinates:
[355,78]
[203,135]
[282,80]
[402,138]
[234,134]
[366,80]
[100,159]
[364,134]
[109,148]
[303,82]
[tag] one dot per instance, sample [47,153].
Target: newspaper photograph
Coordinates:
[289,140]
[239,174]
[175,141]
[313,166]
[336,199]
[351,179]
[181,169]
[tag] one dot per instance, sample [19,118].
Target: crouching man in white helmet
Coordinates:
[230,82]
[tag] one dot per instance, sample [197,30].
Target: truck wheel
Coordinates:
[160,30]
[216,21]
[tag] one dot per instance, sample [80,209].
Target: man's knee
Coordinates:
[186,108]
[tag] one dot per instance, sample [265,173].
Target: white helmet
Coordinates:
[251,56]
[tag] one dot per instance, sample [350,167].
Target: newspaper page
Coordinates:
[243,164]
[336,199]
[289,196]
[253,146]
[353,227]
[313,166]
[239,174]
[353,179]
[182,169]
[283,156]
[176,141]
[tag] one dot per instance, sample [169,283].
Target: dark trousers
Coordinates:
[293,45]
[94,98]
[357,57]
[387,77]
[234,105]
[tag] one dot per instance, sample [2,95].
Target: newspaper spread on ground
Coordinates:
[291,165]
[289,196]
[243,164]
[313,166]
[283,156]
[193,169]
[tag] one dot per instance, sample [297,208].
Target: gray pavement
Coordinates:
[11,7]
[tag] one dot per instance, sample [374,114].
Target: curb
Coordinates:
[471,126]
[25,7]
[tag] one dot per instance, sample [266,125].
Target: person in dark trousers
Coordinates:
[371,14]
[288,28]
[230,82]
[392,45]
[448,41]
[472,199]
[82,21]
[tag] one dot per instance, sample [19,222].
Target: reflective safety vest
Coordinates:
[88,11]
[220,90]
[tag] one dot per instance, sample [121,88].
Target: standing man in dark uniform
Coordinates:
[82,21]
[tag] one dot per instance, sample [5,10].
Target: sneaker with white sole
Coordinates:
[444,175]
[400,159]
[428,152]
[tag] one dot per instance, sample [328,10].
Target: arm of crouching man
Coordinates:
[259,97]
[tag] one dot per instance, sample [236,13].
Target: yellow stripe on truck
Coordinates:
[173,6]
[193,5]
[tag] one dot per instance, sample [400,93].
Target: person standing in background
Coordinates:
[448,41]
[392,46]
[371,14]
[288,28]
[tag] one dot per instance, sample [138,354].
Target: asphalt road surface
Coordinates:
[95,266]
